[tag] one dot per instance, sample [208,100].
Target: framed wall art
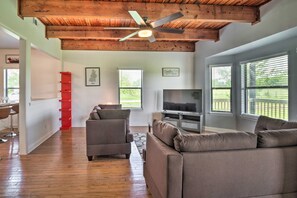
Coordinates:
[170,72]
[92,76]
[12,59]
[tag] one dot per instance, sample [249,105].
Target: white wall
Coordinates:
[276,16]
[44,123]
[45,75]
[30,134]
[85,98]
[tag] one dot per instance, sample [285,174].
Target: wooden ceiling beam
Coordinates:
[84,32]
[119,10]
[127,46]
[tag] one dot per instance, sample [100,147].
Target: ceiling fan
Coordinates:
[145,29]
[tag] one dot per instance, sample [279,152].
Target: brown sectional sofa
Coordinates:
[224,165]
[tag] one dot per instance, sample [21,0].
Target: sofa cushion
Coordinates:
[94,115]
[165,132]
[289,125]
[115,114]
[215,141]
[267,123]
[277,138]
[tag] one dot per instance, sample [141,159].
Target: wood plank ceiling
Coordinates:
[80,23]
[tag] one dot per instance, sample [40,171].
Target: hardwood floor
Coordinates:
[59,168]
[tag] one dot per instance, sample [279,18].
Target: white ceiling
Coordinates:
[287,34]
[7,41]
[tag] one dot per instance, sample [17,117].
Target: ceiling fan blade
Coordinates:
[137,18]
[166,19]
[170,30]
[129,36]
[121,28]
[151,38]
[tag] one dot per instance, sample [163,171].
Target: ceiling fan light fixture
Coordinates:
[145,33]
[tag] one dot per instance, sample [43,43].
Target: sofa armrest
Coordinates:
[109,131]
[163,167]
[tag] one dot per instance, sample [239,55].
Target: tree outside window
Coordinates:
[11,84]
[265,87]
[221,89]
[130,88]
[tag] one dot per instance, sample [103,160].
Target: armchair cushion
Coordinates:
[277,138]
[96,108]
[110,106]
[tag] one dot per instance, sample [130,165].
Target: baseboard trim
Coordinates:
[40,141]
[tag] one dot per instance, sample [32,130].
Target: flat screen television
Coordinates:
[185,100]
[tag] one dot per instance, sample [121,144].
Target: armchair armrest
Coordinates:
[129,137]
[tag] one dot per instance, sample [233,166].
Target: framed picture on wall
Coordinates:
[92,76]
[170,72]
[12,59]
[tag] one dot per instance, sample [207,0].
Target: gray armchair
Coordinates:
[108,133]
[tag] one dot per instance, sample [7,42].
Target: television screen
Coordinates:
[189,100]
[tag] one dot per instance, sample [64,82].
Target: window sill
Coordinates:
[229,114]
[134,109]
[249,117]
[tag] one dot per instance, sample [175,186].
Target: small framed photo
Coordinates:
[170,72]
[92,75]
[12,59]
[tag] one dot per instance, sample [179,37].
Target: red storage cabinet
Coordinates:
[65,101]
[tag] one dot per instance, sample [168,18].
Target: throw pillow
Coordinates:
[277,138]
[215,141]
[94,116]
[165,132]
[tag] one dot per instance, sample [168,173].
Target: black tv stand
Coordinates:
[189,121]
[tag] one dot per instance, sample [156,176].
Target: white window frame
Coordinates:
[5,81]
[211,88]
[141,88]
[243,90]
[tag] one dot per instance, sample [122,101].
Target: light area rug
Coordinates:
[140,141]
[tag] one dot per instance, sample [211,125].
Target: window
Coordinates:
[221,89]
[11,84]
[265,87]
[130,88]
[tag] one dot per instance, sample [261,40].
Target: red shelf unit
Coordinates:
[65,100]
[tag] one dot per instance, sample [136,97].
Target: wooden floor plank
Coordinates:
[59,168]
